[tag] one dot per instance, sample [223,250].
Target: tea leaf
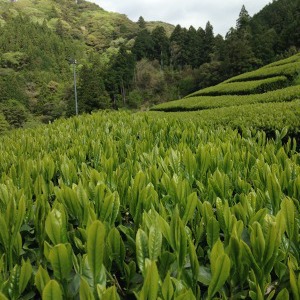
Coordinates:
[52,291]
[219,275]
[95,247]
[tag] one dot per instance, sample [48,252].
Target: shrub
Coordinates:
[244,87]
[14,112]
[4,126]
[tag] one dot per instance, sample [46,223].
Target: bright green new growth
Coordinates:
[117,205]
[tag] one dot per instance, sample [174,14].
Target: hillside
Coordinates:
[39,39]
[85,21]
[120,63]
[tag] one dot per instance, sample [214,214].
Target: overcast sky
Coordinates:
[221,13]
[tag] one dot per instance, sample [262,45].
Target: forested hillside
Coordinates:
[121,63]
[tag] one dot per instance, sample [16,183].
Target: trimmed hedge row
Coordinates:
[265,116]
[243,88]
[291,59]
[289,70]
[207,102]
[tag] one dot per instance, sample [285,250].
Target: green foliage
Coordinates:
[220,268]
[4,125]
[244,87]
[37,38]
[119,77]
[259,86]
[289,70]
[52,291]
[160,46]
[115,205]
[91,91]
[14,112]
[266,116]
[286,61]
[12,86]
[155,85]
[15,60]
[143,45]
[208,102]
[95,249]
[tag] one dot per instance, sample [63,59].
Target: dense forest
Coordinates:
[120,63]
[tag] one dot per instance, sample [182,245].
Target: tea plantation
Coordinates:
[277,82]
[156,205]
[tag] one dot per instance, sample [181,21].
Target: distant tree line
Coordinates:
[254,42]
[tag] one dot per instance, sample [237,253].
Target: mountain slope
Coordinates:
[85,20]
[38,39]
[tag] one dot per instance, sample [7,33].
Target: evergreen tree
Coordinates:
[191,47]
[218,49]
[177,47]
[243,19]
[160,45]
[141,22]
[91,90]
[208,42]
[264,45]
[143,46]
[238,55]
[200,49]
[120,75]
[281,21]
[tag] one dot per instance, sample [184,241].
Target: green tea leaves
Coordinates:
[95,247]
[52,291]
[56,226]
[220,273]
[186,212]
[141,249]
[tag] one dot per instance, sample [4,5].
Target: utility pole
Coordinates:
[72,61]
[75,88]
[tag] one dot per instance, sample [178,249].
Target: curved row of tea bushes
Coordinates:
[264,116]
[243,87]
[290,70]
[207,102]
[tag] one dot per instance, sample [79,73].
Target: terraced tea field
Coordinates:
[277,82]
